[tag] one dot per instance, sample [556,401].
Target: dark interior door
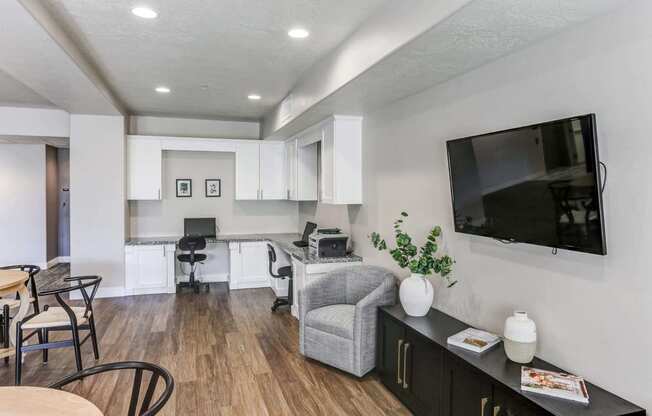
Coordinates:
[423,361]
[506,403]
[467,392]
[391,336]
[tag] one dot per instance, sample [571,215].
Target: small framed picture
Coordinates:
[184,188]
[213,188]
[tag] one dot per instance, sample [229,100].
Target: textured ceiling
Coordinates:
[15,93]
[234,47]
[480,32]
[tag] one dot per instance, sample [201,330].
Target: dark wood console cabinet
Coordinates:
[415,363]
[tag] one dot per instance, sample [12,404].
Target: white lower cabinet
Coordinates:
[305,273]
[248,265]
[150,269]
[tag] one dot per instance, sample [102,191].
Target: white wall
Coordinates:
[22,210]
[97,197]
[165,217]
[594,313]
[19,121]
[189,127]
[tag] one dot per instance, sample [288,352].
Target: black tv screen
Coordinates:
[537,184]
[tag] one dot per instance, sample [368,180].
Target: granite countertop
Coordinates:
[283,240]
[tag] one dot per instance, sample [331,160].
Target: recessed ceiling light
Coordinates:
[254,97]
[162,90]
[298,33]
[144,12]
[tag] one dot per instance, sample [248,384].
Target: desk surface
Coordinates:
[283,240]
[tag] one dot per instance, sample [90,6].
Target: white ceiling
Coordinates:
[234,47]
[480,32]
[15,93]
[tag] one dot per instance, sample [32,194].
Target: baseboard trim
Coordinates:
[248,285]
[102,292]
[208,278]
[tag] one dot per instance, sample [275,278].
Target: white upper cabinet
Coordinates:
[302,170]
[144,169]
[272,171]
[307,172]
[291,168]
[247,171]
[341,160]
[260,167]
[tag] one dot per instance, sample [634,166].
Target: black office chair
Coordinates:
[156,373]
[61,318]
[284,272]
[192,244]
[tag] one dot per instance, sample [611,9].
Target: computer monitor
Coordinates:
[310,227]
[199,227]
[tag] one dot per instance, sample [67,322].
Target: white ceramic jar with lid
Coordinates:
[520,338]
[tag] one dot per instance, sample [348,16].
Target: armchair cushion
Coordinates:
[334,319]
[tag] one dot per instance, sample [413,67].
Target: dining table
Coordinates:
[42,401]
[12,282]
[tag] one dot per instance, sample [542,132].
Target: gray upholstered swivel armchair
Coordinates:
[337,316]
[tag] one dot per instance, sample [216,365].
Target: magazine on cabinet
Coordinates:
[552,383]
[474,340]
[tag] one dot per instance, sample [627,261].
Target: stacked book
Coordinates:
[474,340]
[552,383]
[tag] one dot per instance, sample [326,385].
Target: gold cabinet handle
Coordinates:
[398,363]
[496,410]
[405,350]
[483,404]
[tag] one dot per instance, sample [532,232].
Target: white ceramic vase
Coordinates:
[520,338]
[416,294]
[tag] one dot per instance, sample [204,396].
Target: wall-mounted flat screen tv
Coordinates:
[538,184]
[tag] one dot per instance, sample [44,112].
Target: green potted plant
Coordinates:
[416,292]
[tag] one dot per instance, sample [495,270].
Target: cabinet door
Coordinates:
[247,171]
[327,163]
[308,172]
[466,391]
[422,374]
[144,169]
[272,171]
[254,264]
[299,276]
[291,168]
[389,361]
[506,403]
[152,267]
[347,160]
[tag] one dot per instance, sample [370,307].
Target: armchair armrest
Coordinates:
[385,294]
[365,320]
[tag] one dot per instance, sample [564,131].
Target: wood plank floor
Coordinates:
[228,353]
